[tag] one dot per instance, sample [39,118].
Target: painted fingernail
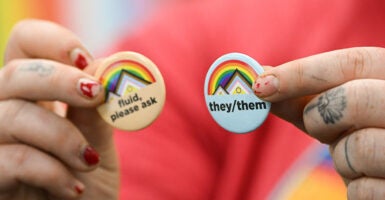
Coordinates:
[265,86]
[88,88]
[90,156]
[79,189]
[79,58]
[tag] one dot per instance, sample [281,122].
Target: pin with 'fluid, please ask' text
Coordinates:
[135,91]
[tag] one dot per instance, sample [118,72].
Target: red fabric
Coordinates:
[185,154]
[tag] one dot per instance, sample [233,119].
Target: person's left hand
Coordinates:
[49,151]
[338,98]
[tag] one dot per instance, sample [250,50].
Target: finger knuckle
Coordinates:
[358,60]
[67,138]
[20,155]
[53,174]
[299,70]
[10,110]
[371,157]
[6,73]
[380,53]
[23,157]
[360,190]
[55,79]
[354,63]
[362,148]
[8,80]
[359,99]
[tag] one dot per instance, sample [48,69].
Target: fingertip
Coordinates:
[90,156]
[89,88]
[78,189]
[80,58]
[265,86]
[74,190]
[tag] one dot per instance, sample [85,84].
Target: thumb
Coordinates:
[290,109]
[291,85]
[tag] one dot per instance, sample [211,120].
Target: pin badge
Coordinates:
[229,95]
[135,91]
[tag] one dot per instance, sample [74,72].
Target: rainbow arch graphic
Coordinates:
[112,74]
[223,73]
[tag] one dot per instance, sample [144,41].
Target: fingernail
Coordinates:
[76,190]
[265,86]
[79,189]
[79,58]
[88,88]
[90,156]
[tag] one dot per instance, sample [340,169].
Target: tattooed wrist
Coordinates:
[40,68]
[330,105]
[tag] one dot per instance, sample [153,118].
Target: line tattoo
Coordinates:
[347,156]
[330,105]
[42,69]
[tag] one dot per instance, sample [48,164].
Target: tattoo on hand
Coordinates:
[42,69]
[330,105]
[347,155]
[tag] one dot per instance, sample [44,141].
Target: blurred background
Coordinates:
[100,23]
[84,17]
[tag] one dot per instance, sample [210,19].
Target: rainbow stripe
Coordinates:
[225,70]
[111,75]
[311,176]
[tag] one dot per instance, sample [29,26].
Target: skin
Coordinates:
[335,97]
[43,149]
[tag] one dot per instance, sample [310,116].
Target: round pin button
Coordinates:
[229,95]
[135,91]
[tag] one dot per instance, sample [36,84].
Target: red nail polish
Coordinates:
[78,190]
[81,62]
[90,156]
[78,58]
[266,86]
[88,87]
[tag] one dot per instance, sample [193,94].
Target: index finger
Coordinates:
[43,39]
[315,74]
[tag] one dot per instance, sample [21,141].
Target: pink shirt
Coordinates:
[185,154]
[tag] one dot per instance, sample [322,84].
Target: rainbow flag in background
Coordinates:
[312,176]
[13,11]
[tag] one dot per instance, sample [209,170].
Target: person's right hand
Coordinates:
[48,151]
[337,97]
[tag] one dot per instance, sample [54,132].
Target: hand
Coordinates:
[338,98]
[47,150]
